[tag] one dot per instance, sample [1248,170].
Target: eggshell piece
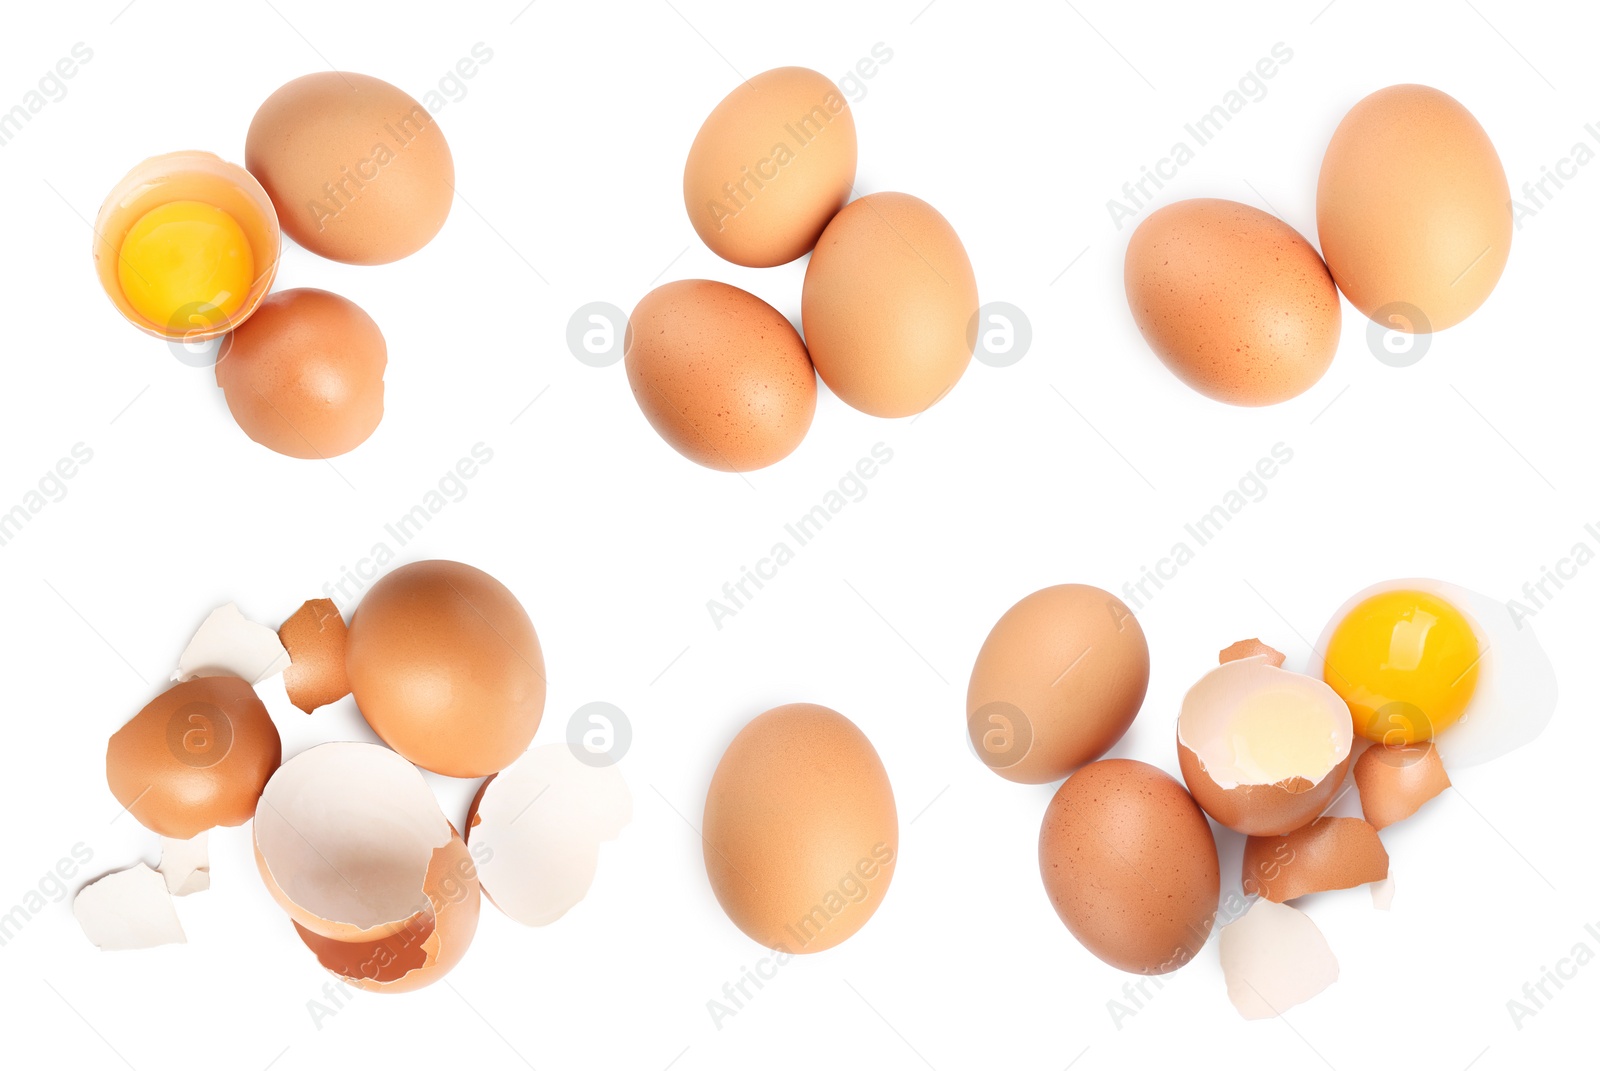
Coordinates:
[721,375]
[1251,648]
[1273,958]
[186,864]
[1057,682]
[1325,854]
[1130,865]
[195,757]
[1394,782]
[538,826]
[889,305]
[1235,302]
[359,171]
[128,909]
[1264,750]
[345,837]
[800,835]
[770,166]
[228,644]
[446,667]
[1413,209]
[304,377]
[315,636]
[427,947]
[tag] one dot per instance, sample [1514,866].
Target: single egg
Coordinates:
[446,667]
[800,832]
[1413,209]
[1130,865]
[1418,660]
[1057,683]
[1234,301]
[720,374]
[304,376]
[770,166]
[359,171]
[186,246]
[195,757]
[889,304]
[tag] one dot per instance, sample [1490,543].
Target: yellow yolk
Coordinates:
[1406,663]
[186,263]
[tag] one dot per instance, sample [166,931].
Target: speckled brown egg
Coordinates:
[304,375]
[1413,209]
[890,305]
[1057,682]
[800,832]
[1234,301]
[1130,865]
[446,667]
[721,375]
[770,166]
[197,756]
[357,169]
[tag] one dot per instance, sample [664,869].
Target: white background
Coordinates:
[1081,462]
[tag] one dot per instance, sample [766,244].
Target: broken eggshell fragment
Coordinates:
[195,757]
[352,845]
[1325,854]
[537,827]
[1263,749]
[229,644]
[186,865]
[1395,781]
[315,637]
[1274,957]
[128,909]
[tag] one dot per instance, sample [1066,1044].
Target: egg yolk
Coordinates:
[186,263]
[1406,663]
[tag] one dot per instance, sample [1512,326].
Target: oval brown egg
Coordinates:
[888,301]
[1129,863]
[721,375]
[1234,301]
[1413,209]
[197,756]
[800,830]
[446,667]
[1056,683]
[358,170]
[304,375]
[770,166]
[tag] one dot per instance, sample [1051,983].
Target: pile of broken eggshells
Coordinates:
[349,838]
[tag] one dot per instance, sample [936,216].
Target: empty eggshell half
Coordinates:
[315,637]
[128,909]
[1274,957]
[537,827]
[1263,749]
[195,757]
[1327,853]
[230,645]
[1395,781]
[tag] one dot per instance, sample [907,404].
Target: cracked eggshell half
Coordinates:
[352,845]
[195,757]
[1263,749]
[537,827]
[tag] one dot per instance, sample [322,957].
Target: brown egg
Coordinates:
[1233,301]
[195,757]
[888,304]
[1413,209]
[800,830]
[1130,864]
[304,375]
[720,374]
[446,667]
[358,170]
[770,166]
[1057,682]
